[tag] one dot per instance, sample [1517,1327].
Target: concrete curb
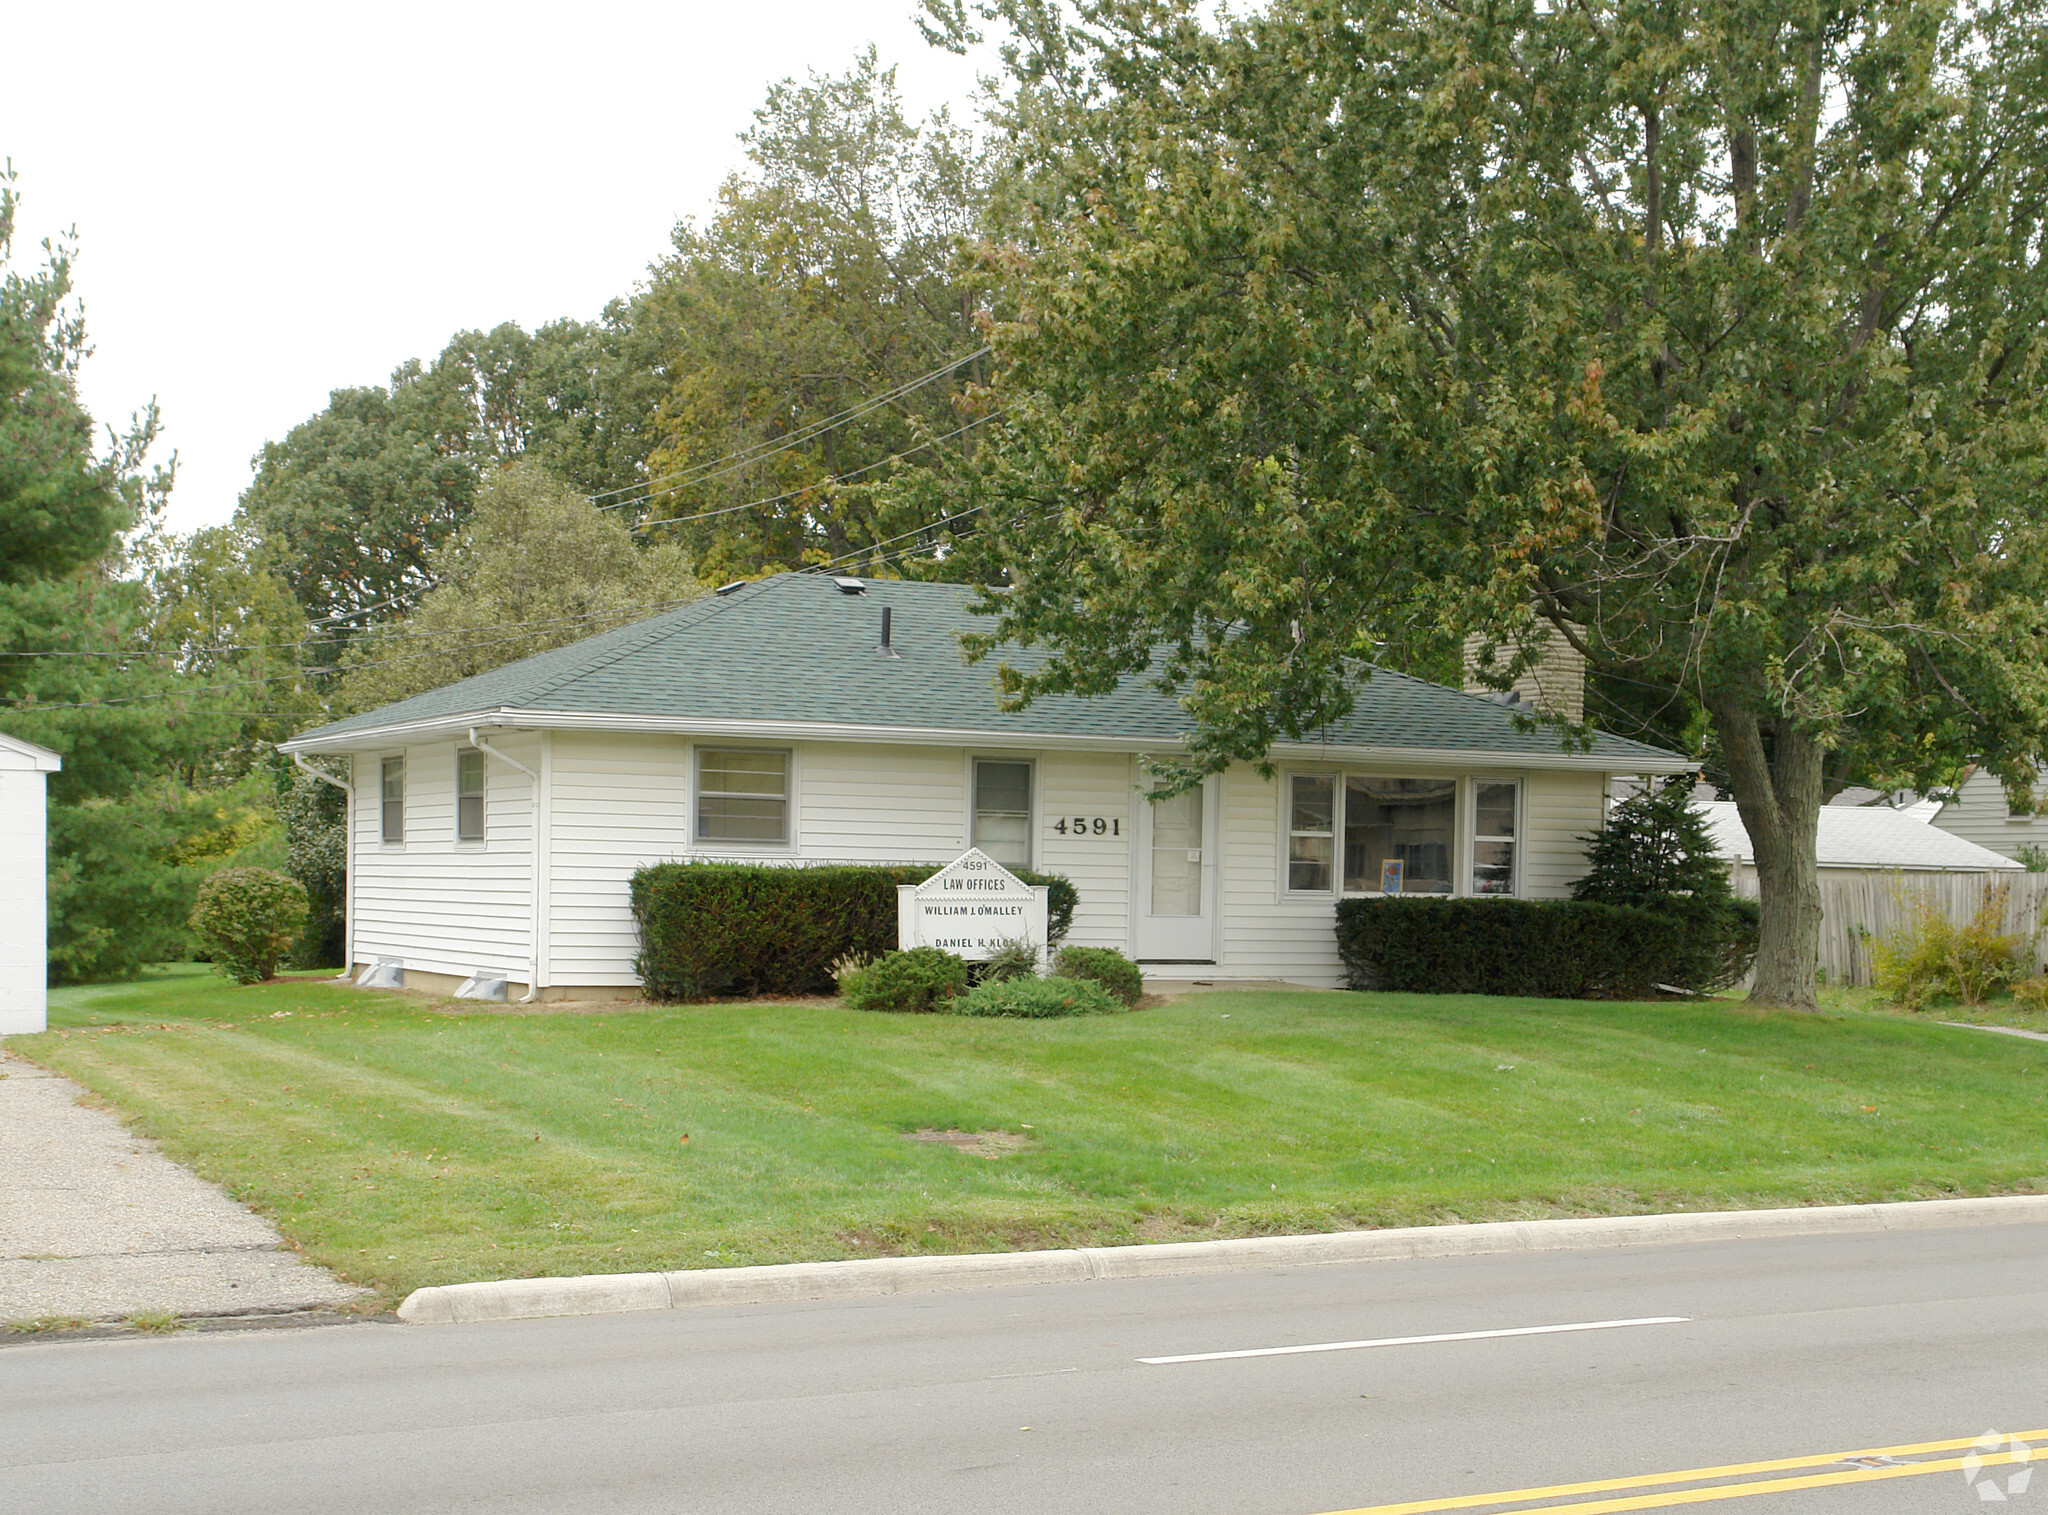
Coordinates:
[607,1294]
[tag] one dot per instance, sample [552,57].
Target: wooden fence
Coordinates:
[1859,904]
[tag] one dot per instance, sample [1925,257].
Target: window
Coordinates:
[469,795]
[394,800]
[742,796]
[1493,837]
[1412,822]
[1311,831]
[1002,811]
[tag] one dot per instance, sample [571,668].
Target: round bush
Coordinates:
[922,979]
[248,918]
[1105,966]
[1035,998]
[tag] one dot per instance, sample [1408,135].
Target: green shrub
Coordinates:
[1655,853]
[1933,957]
[1035,998]
[920,980]
[739,928]
[248,918]
[1105,966]
[1013,959]
[1544,949]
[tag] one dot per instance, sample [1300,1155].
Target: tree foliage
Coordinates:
[534,567]
[1710,333]
[826,280]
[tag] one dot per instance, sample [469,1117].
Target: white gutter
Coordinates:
[348,863]
[533,970]
[832,731]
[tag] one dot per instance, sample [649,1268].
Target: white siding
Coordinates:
[1267,934]
[618,804]
[24,953]
[1085,786]
[869,803]
[1978,814]
[438,905]
[1558,809]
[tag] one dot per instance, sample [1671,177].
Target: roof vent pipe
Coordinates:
[888,647]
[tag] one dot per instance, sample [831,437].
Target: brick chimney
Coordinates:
[1556,686]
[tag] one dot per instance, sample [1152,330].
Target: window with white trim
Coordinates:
[743,795]
[1495,803]
[1002,810]
[392,819]
[1311,832]
[469,795]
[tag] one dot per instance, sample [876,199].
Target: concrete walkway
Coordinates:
[96,1224]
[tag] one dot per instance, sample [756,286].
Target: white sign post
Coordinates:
[971,907]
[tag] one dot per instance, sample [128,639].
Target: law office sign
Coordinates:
[971,907]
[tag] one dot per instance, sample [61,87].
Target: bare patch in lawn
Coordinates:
[990,1144]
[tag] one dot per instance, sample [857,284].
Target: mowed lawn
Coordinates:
[404,1144]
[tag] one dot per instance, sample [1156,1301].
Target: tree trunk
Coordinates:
[1778,794]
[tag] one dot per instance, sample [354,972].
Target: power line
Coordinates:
[682,478]
[726,510]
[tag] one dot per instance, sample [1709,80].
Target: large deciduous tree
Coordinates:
[827,282]
[1710,333]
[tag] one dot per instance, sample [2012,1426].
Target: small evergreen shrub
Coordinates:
[247,919]
[1035,998]
[1542,949]
[920,981]
[744,928]
[1013,959]
[1932,957]
[1655,853]
[1105,966]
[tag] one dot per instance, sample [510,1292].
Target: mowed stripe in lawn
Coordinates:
[1223,1114]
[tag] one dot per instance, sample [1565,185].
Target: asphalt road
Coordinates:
[1038,1399]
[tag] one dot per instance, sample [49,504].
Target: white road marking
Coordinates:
[1416,1341]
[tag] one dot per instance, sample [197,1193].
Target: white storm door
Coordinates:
[1175,915]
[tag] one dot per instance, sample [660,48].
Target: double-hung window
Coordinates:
[1311,831]
[743,796]
[393,817]
[1493,836]
[1002,811]
[469,795]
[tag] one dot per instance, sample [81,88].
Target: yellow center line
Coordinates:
[1696,1475]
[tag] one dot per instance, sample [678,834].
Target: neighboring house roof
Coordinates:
[21,756]
[1856,836]
[795,655]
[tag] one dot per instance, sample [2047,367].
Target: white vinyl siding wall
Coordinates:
[1090,784]
[440,906]
[618,803]
[1979,814]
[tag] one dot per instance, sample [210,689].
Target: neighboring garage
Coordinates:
[24,945]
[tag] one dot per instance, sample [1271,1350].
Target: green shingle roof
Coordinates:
[795,650]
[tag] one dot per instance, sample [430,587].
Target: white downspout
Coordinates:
[348,860]
[533,970]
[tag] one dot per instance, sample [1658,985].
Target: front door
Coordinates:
[1175,918]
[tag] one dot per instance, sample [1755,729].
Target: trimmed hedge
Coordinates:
[1538,949]
[1034,998]
[749,928]
[1105,966]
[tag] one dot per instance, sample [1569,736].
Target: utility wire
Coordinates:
[682,478]
[790,494]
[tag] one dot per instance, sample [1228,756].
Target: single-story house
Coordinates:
[24,897]
[1875,862]
[496,823]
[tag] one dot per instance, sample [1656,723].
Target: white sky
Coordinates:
[273,201]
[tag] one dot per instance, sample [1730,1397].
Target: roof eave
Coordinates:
[946,736]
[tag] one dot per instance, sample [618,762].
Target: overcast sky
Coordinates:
[273,201]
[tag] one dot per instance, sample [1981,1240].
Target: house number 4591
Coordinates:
[1089,825]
